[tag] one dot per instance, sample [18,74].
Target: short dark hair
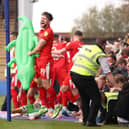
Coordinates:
[78,32]
[100,41]
[56,36]
[48,15]
[14,33]
[119,78]
[113,57]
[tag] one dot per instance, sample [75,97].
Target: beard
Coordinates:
[43,26]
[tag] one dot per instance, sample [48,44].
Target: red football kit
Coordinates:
[43,65]
[44,62]
[15,83]
[73,47]
[60,64]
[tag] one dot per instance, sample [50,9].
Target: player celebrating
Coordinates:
[44,62]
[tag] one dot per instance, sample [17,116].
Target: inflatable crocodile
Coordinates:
[25,42]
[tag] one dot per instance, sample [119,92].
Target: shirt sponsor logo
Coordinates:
[68,44]
[45,33]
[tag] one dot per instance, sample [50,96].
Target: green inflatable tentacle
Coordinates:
[11,62]
[26,41]
[11,44]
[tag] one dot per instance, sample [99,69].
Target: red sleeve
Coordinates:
[68,46]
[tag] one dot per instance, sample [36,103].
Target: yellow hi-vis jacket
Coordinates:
[85,62]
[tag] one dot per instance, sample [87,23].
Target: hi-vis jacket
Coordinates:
[86,62]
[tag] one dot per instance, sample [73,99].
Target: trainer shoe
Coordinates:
[65,112]
[57,110]
[41,112]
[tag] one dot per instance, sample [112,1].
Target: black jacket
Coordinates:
[122,106]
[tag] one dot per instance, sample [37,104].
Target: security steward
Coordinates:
[85,67]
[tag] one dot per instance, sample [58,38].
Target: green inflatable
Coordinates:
[25,42]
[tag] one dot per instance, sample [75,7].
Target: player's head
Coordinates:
[13,36]
[56,37]
[46,18]
[77,35]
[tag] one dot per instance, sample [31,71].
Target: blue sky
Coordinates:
[65,11]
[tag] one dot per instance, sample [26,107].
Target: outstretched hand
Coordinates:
[29,53]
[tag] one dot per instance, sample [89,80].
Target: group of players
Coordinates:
[54,63]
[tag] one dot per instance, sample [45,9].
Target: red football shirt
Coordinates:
[73,47]
[47,35]
[59,62]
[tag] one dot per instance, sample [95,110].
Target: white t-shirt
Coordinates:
[104,65]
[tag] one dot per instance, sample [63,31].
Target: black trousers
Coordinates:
[110,115]
[90,96]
